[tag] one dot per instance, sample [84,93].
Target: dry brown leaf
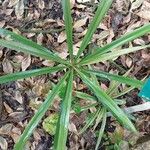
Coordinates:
[61,37]
[62,50]
[12,3]
[19,9]
[63,55]
[41,4]
[122,5]
[3,143]
[8,11]
[40,38]
[36,14]
[1,52]
[136,4]
[26,62]
[72,128]
[8,109]
[7,66]
[139,41]
[133,25]
[18,97]
[6,129]
[101,36]
[76,48]
[2,23]
[15,134]
[80,23]
[129,62]
[48,63]
[145,11]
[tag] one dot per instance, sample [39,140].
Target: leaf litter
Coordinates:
[42,21]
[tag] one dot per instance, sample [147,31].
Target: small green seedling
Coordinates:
[74,66]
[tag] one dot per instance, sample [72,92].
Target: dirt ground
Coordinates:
[42,22]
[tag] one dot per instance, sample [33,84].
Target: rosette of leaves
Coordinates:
[74,66]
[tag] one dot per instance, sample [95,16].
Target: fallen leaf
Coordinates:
[72,128]
[40,38]
[61,37]
[76,47]
[128,62]
[26,62]
[135,4]
[2,23]
[48,63]
[15,134]
[7,66]
[8,109]
[19,9]
[3,143]
[6,129]
[41,4]
[80,23]
[145,11]
[1,52]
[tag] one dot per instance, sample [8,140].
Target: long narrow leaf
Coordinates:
[20,43]
[39,114]
[27,74]
[21,39]
[121,79]
[68,25]
[100,13]
[62,125]
[88,97]
[84,96]
[108,102]
[101,130]
[96,57]
[90,121]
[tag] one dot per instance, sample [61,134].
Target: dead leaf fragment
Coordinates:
[19,9]
[1,52]
[136,4]
[6,129]
[61,37]
[145,11]
[15,134]
[48,63]
[2,23]
[129,62]
[40,38]
[3,143]
[7,66]
[80,23]
[41,4]
[26,62]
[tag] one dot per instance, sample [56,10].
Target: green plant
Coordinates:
[75,65]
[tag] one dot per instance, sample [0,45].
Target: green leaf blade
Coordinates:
[108,102]
[62,125]
[68,25]
[100,13]
[39,114]
[121,79]
[96,56]
[20,43]
[27,74]
[101,132]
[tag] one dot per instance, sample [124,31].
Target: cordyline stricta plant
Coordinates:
[74,66]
